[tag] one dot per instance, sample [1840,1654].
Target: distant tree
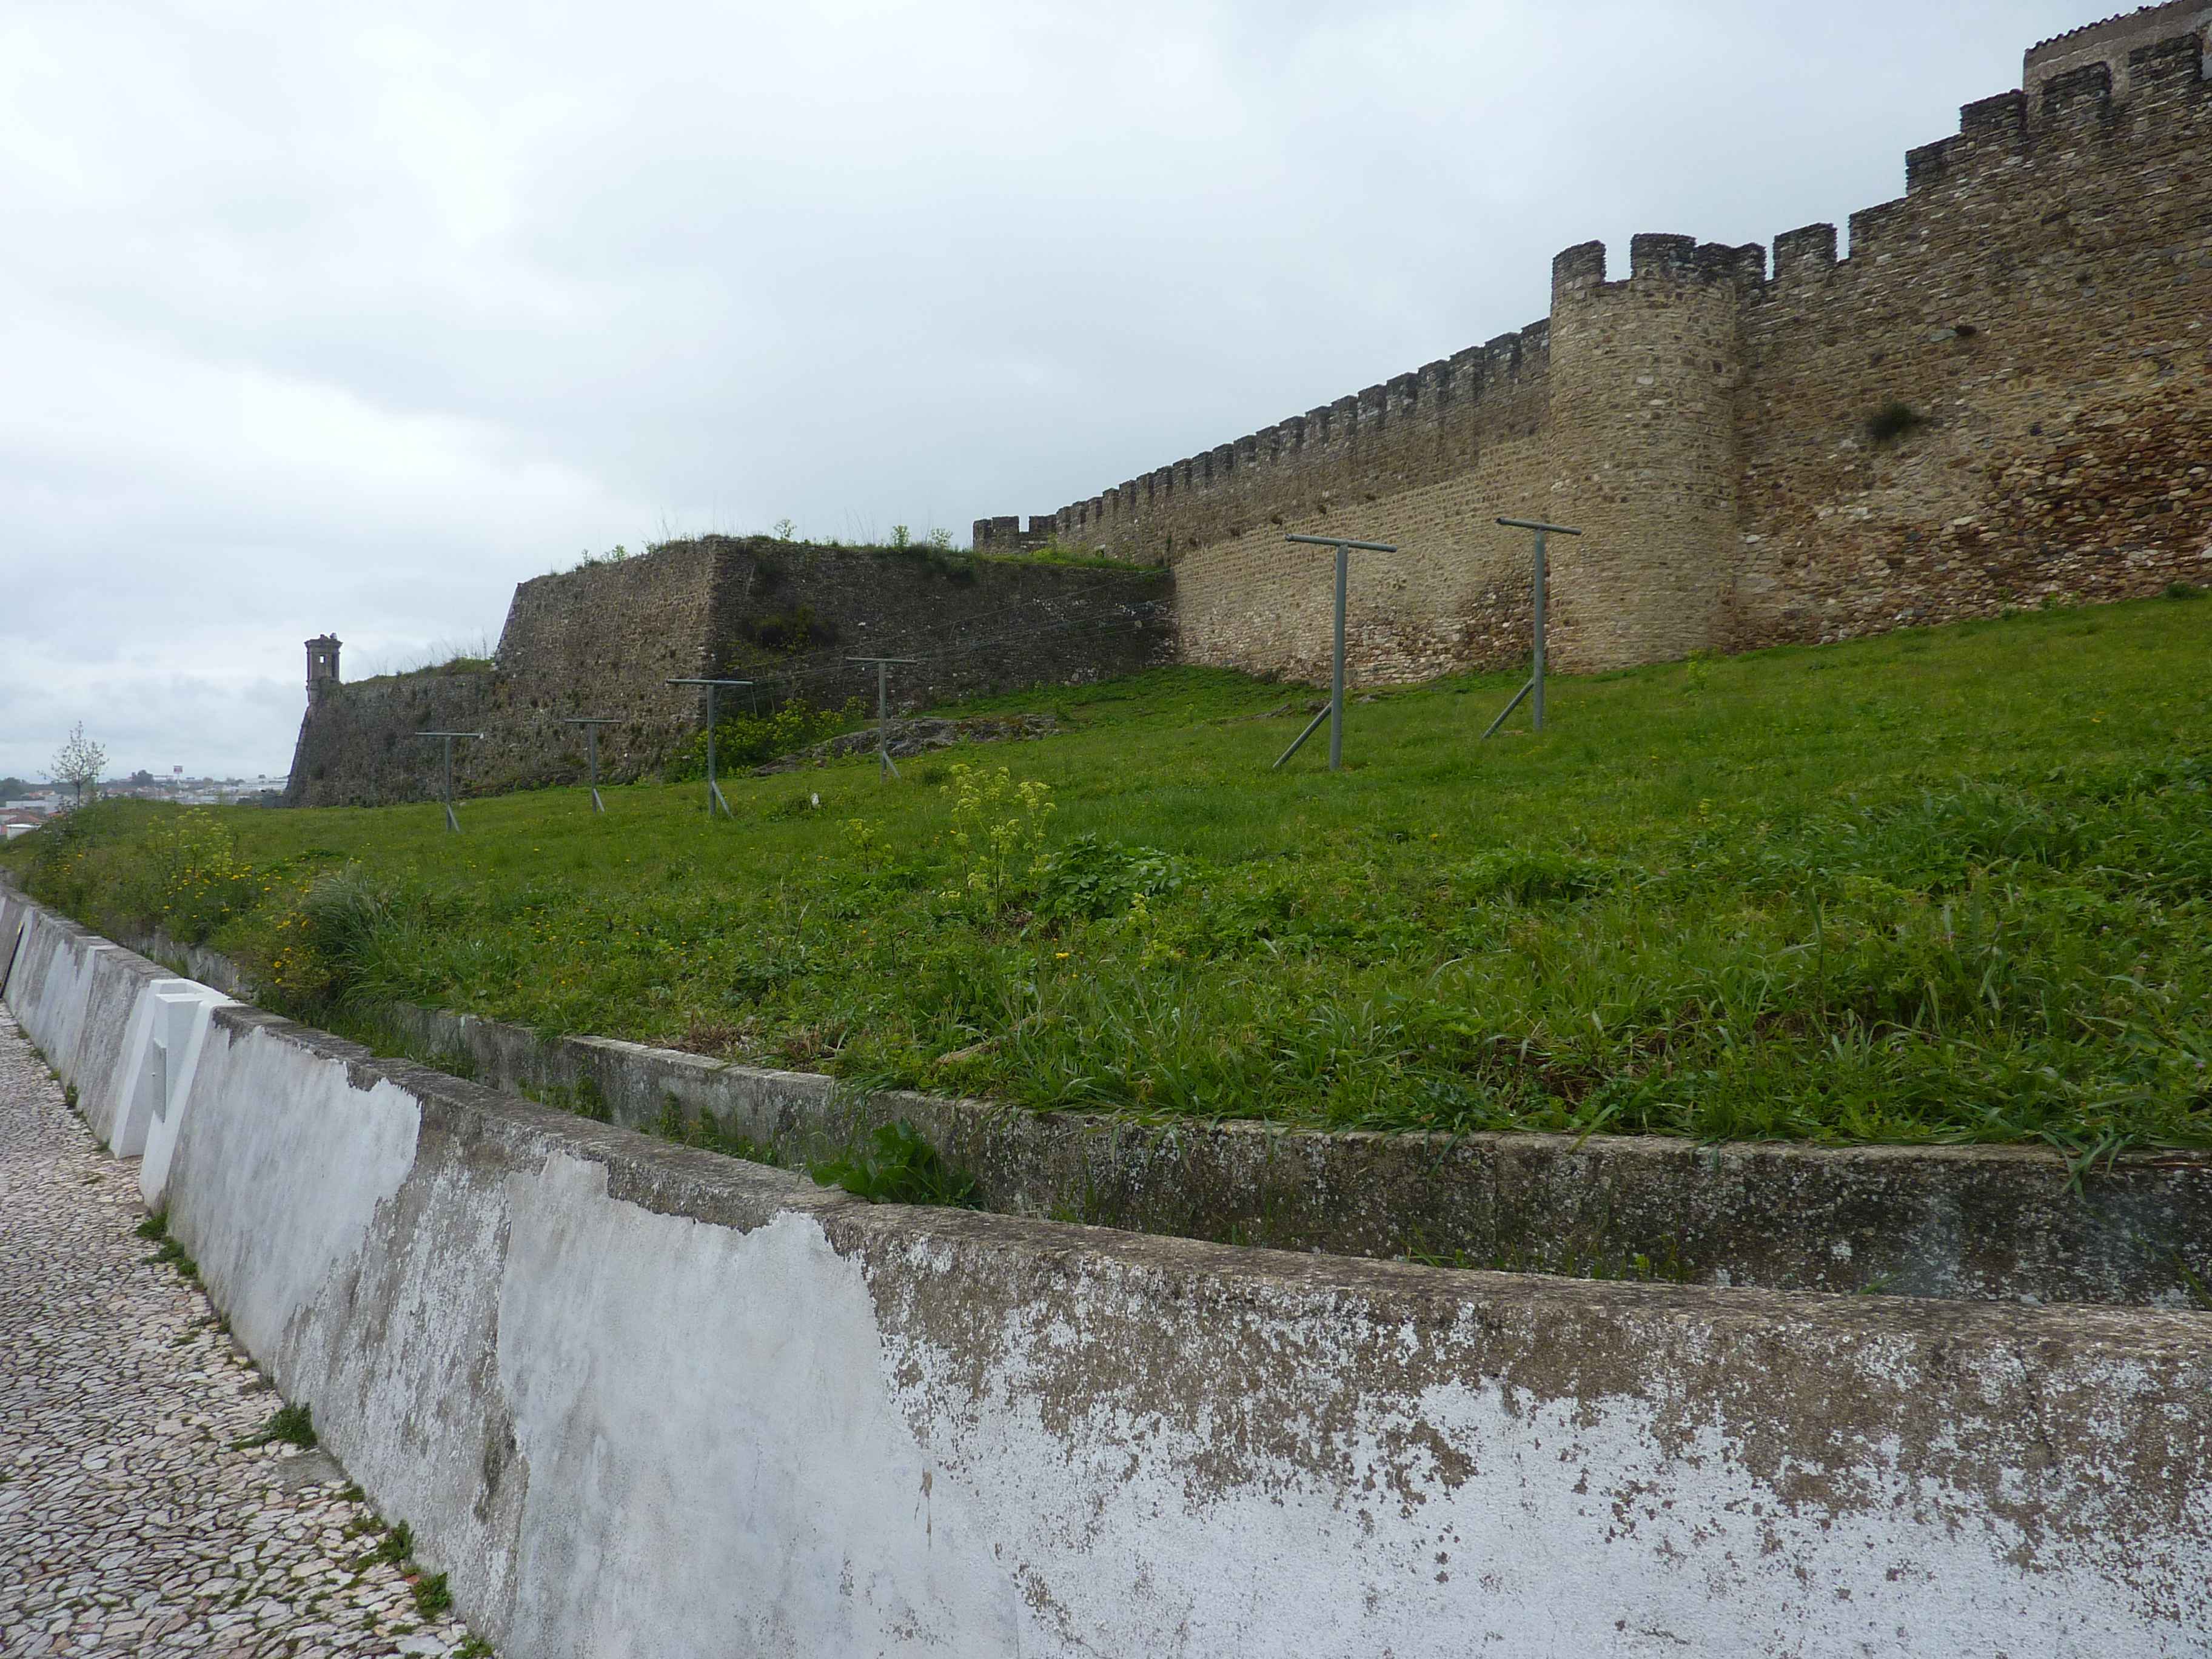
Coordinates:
[14,788]
[142,777]
[78,762]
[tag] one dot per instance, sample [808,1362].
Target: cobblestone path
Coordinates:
[128,1523]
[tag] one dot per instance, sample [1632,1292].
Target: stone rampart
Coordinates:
[357,745]
[2003,395]
[605,639]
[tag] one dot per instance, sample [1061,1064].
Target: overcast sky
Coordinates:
[350,317]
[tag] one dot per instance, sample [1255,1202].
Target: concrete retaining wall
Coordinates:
[1984,1222]
[122,1033]
[1987,1223]
[638,1399]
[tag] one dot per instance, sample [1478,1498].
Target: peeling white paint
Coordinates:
[812,1427]
[278,1172]
[714,1458]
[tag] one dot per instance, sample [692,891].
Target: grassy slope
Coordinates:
[1941,886]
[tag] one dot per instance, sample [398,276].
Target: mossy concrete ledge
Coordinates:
[634,1397]
[1994,1222]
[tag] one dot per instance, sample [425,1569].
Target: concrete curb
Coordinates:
[637,1398]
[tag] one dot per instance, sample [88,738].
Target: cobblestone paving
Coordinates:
[128,1523]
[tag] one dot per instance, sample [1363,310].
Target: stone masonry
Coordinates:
[2002,397]
[605,639]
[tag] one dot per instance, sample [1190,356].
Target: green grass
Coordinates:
[1946,885]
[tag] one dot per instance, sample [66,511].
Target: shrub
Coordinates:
[201,882]
[750,739]
[786,633]
[293,1424]
[1893,421]
[1090,877]
[998,835]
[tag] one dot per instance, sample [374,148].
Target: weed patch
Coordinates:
[896,1165]
[294,1425]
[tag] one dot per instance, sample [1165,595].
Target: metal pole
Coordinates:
[1343,545]
[714,787]
[1526,686]
[591,723]
[886,768]
[446,796]
[714,797]
[1297,742]
[1535,687]
[1336,683]
[884,719]
[1536,703]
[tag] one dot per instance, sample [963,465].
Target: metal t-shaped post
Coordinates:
[714,789]
[452,823]
[592,723]
[1335,712]
[888,768]
[1535,684]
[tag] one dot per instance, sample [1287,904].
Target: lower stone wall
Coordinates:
[603,641]
[357,745]
[1456,597]
[635,1398]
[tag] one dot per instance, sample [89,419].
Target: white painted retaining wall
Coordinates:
[637,1399]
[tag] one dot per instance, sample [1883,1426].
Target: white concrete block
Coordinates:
[165,1023]
[177,1030]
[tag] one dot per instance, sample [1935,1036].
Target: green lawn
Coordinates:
[1943,885]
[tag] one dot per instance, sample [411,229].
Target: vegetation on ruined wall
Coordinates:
[750,739]
[1943,885]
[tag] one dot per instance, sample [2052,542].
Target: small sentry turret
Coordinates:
[322,665]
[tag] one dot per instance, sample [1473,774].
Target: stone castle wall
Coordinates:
[357,745]
[603,640]
[2042,296]
[2036,305]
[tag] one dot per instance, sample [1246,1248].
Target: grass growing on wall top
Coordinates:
[1943,885]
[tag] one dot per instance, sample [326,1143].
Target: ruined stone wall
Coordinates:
[603,640]
[2003,395]
[788,615]
[357,745]
[1408,461]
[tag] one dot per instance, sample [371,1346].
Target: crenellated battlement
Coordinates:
[1159,513]
[1142,517]
[1733,429]
[1998,137]
[1656,260]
